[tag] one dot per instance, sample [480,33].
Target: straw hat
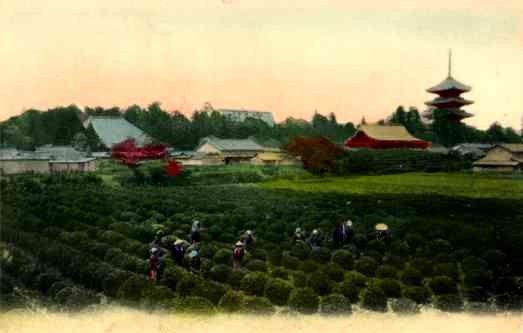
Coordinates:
[238,243]
[249,232]
[178,242]
[349,223]
[154,250]
[381,227]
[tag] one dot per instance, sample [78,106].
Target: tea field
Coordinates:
[457,243]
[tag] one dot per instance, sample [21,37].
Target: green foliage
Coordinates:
[321,255]
[449,302]
[335,304]
[412,276]
[257,305]
[299,279]
[334,272]
[231,301]
[374,298]
[281,273]
[443,285]
[308,266]
[220,273]
[303,300]
[404,306]
[133,288]
[290,262]
[420,295]
[278,291]
[366,266]
[256,265]
[391,287]
[320,283]
[194,304]
[254,283]
[387,271]
[343,258]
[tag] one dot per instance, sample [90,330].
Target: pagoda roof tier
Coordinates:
[454,114]
[449,84]
[443,102]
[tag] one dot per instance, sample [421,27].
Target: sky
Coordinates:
[353,58]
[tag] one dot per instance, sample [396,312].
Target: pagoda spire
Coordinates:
[450,63]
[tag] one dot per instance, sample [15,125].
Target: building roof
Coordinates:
[449,84]
[61,154]
[231,144]
[112,130]
[10,154]
[387,132]
[485,162]
[449,101]
[242,114]
[513,147]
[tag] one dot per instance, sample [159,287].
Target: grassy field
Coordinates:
[452,184]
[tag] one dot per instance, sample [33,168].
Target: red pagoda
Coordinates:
[449,98]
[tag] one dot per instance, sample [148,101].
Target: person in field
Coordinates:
[154,265]
[349,232]
[383,232]
[248,240]
[237,256]
[196,232]
[192,257]
[178,251]
[339,234]
[298,236]
[315,239]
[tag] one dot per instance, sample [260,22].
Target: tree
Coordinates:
[80,142]
[318,155]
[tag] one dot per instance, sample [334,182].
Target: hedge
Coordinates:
[335,304]
[303,300]
[278,291]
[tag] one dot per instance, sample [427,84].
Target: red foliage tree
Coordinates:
[130,154]
[318,155]
[173,169]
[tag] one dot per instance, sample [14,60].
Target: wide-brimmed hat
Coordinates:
[154,250]
[298,230]
[249,232]
[238,243]
[349,223]
[178,242]
[381,227]
[315,231]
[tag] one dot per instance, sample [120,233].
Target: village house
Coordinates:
[229,150]
[46,159]
[502,158]
[385,137]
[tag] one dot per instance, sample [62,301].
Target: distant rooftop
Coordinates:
[231,144]
[113,129]
[242,114]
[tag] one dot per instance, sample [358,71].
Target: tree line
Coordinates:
[63,126]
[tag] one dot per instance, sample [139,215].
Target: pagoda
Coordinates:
[449,99]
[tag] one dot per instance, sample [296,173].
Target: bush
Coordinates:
[158,296]
[231,301]
[280,273]
[303,300]
[194,304]
[377,246]
[335,304]
[300,250]
[449,269]
[391,287]
[133,288]
[320,283]
[366,266]
[443,285]
[449,303]
[220,273]
[334,272]
[187,284]
[343,258]
[356,278]
[387,271]
[404,306]
[256,265]
[374,298]
[222,257]
[321,255]
[495,259]
[299,279]
[422,265]
[74,298]
[235,277]
[420,295]
[308,266]
[254,283]
[478,278]
[278,291]
[290,262]
[412,276]
[45,280]
[257,305]
[211,290]
[348,289]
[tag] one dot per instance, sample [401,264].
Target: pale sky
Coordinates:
[353,58]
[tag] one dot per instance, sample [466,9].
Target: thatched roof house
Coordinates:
[503,157]
[113,129]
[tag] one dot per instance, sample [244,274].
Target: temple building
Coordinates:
[449,99]
[385,137]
